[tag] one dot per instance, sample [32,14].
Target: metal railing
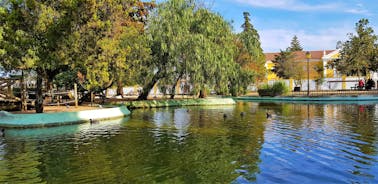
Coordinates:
[343,92]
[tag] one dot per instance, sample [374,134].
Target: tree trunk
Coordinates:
[38,93]
[147,88]
[24,103]
[202,93]
[119,88]
[173,90]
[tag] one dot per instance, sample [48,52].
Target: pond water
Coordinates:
[298,143]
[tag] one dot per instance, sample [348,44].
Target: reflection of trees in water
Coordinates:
[295,114]
[19,162]
[210,152]
[246,134]
[362,124]
[176,146]
[148,150]
[350,129]
[359,118]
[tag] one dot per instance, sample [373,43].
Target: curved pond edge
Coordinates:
[179,103]
[313,99]
[9,120]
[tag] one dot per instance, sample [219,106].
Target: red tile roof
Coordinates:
[300,55]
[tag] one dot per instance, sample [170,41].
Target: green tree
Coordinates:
[22,27]
[281,64]
[192,42]
[108,43]
[211,60]
[286,67]
[90,37]
[168,31]
[295,45]
[250,53]
[358,55]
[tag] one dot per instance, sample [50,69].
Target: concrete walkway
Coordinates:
[312,99]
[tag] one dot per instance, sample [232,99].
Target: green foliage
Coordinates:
[295,45]
[189,42]
[97,38]
[319,70]
[65,79]
[283,63]
[17,38]
[240,82]
[358,55]
[249,53]
[247,26]
[278,88]
[107,44]
[114,42]
[285,67]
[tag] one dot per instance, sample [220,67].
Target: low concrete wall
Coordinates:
[60,118]
[178,103]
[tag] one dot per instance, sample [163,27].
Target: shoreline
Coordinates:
[38,120]
[62,115]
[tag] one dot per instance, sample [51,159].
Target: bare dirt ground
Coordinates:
[49,109]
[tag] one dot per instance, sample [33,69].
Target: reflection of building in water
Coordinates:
[162,119]
[181,122]
[177,119]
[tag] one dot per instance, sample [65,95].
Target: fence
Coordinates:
[346,92]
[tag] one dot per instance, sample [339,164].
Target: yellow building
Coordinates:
[318,58]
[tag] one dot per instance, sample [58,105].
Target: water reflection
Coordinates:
[306,143]
[332,143]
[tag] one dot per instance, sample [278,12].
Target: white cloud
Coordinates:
[273,40]
[358,9]
[297,5]
[293,5]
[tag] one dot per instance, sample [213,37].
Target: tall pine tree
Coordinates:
[295,45]
[251,55]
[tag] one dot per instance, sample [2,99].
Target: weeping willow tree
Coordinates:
[189,42]
[211,58]
[168,31]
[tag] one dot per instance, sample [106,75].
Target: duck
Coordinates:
[268,115]
[224,116]
[92,121]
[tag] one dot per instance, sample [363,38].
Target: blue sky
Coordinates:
[318,24]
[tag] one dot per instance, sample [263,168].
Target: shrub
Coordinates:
[278,88]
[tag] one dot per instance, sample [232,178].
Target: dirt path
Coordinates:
[48,109]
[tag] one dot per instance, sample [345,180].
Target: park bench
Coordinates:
[355,87]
